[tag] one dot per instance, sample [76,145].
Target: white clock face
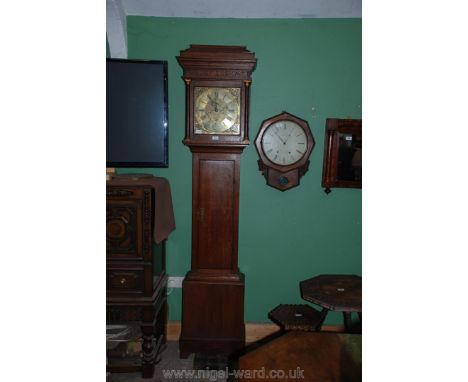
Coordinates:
[284,142]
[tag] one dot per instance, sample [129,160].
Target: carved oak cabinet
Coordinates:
[217,80]
[136,277]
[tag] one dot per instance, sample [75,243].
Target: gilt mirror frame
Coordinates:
[342,163]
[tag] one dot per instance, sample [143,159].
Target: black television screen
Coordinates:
[136,113]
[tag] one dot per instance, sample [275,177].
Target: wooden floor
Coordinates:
[169,361]
[307,356]
[322,353]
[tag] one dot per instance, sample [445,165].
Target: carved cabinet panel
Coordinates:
[128,224]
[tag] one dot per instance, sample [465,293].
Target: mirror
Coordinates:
[342,165]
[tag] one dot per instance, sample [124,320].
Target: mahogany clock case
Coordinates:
[283,177]
[342,162]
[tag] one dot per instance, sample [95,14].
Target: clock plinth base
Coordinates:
[212,314]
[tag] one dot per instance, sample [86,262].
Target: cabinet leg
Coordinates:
[148,352]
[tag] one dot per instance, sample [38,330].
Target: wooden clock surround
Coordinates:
[213,290]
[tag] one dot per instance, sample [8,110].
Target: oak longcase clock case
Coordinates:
[217,80]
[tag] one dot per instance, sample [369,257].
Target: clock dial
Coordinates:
[284,142]
[217,110]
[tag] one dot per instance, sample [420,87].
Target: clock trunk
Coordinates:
[213,291]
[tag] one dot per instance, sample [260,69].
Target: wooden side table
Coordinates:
[341,293]
[296,317]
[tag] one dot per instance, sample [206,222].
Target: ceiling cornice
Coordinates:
[244,8]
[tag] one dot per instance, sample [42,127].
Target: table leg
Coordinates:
[323,315]
[348,321]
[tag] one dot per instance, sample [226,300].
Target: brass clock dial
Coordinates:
[217,110]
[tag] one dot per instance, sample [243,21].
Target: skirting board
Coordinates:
[253,331]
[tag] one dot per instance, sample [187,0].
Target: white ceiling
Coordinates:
[118,10]
[244,8]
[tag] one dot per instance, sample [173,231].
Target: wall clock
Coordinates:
[217,85]
[284,143]
[342,162]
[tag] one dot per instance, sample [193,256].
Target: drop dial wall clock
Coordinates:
[284,143]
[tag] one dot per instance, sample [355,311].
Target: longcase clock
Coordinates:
[217,80]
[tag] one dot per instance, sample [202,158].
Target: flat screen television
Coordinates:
[136,113]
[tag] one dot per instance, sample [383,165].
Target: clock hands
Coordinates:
[287,137]
[214,102]
[293,147]
[283,142]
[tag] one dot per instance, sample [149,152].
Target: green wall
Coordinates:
[310,68]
